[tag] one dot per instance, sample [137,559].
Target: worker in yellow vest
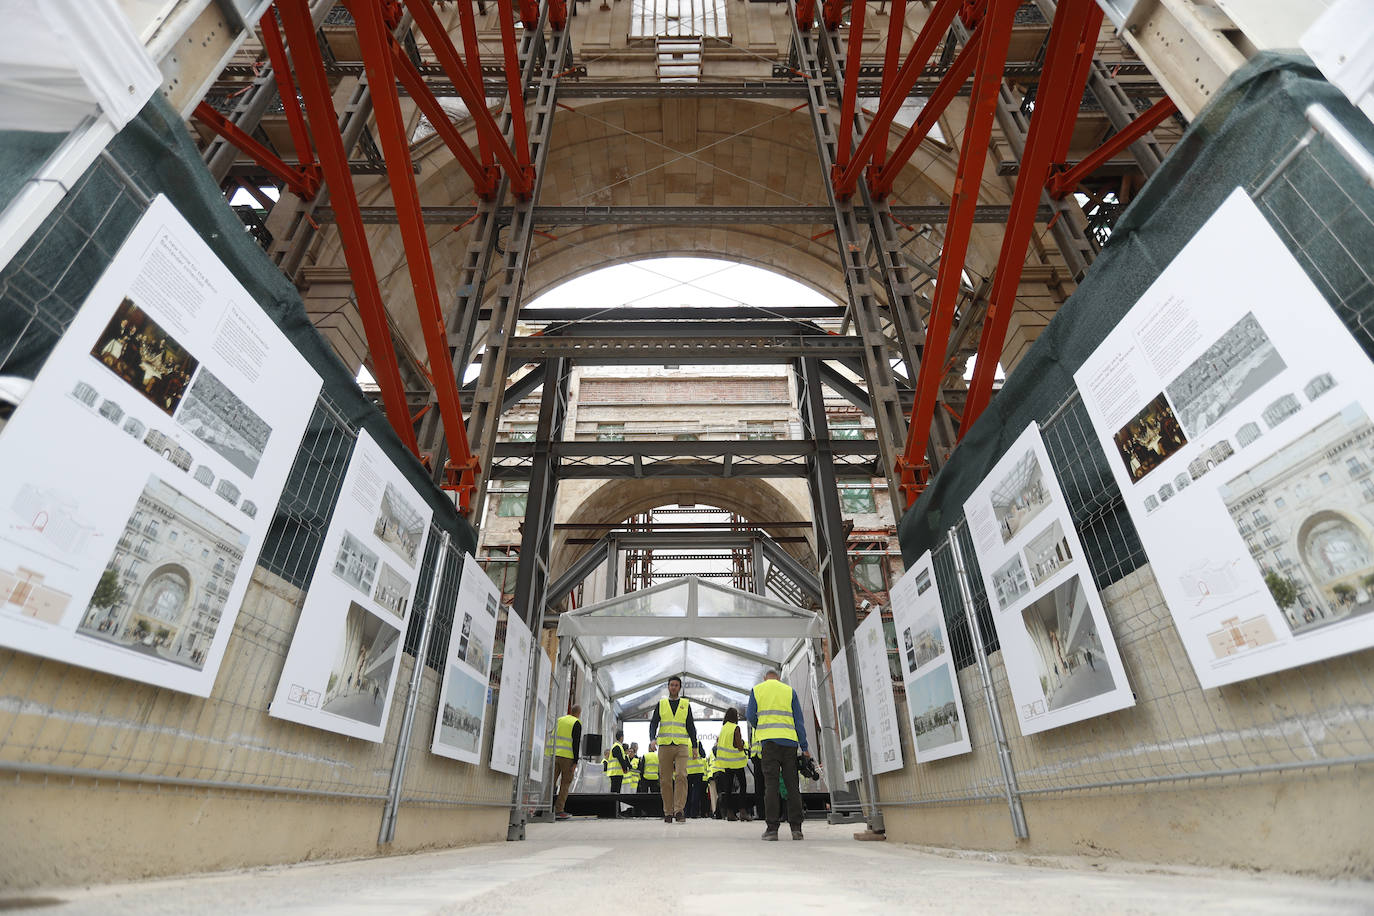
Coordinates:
[617,763]
[567,739]
[648,769]
[676,733]
[730,787]
[711,785]
[755,800]
[696,783]
[775,716]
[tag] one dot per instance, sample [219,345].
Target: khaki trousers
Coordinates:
[563,768]
[672,777]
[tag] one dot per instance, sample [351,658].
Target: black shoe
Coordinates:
[681,818]
[797,834]
[667,818]
[771,834]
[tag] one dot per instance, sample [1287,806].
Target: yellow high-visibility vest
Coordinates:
[563,743]
[755,745]
[613,763]
[672,726]
[631,781]
[774,701]
[711,766]
[651,765]
[696,766]
[729,757]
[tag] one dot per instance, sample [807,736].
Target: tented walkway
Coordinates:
[708,868]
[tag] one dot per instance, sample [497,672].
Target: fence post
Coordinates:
[1018,814]
[398,764]
[515,828]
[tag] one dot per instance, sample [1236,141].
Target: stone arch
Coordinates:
[759,500]
[1322,538]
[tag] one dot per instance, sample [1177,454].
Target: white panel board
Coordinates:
[844,708]
[1061,659]
[140,474]
[935,707]
[1234,408]
[463,699]
[880,709]
[507,738]
[340,671]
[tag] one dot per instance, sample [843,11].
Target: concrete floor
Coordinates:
[707,868]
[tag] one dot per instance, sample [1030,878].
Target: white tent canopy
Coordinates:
[720,640]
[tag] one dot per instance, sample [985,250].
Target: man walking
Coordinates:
[618,763]
[672,726]
[775,716]
[567,739]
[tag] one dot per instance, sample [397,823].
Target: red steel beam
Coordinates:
[832,12]
[523,182]
[1057,99]
[896,25]
[1082,67]
[973,155]
[934,30]
[375,41]
[854,48]
[1065,182]
[529,13]
[468,22]
[485,179]
[558,15]
[286,88]
[319,105]
[474,96]
[882,178]
[806,14]
[301,184]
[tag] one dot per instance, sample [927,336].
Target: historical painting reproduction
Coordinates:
[152,362]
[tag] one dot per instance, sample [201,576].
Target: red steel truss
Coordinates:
[324,122]
[376,42]
[1065,182]
[1073,37]
[299,182]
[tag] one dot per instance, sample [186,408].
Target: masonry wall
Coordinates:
[1185,777]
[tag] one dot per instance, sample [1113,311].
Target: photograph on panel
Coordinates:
[392,591]
[164,589]
[1237,365]
[1020,495]
[848,758]
[465,696]
[846,720]
[924,581]
[924,640]
[215,415]
[1306,513]
[360,677]
[934,714]
[400,525]
[1047,553]
[135,347]
[355,563]
[1149,438]
[1009,581]
[1065,646]
[471,648]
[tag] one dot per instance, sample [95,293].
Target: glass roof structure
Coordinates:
[719,640]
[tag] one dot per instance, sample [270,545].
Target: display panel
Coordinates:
[1061,658]
[463,700]
[880,709]
[935,707]
[543,685]
[509,731]
[1234,408]
[140,474]
[340,671]
[844,711]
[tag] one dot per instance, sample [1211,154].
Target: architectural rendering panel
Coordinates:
[341,668]
[844,707]
[1266,558]
[138,567]
[469,647]
[216,416]
[935,707]
[508,732]
[1061,659]
[880,709]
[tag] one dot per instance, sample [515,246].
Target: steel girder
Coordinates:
[657,351]
[833,560]
[864,306]
[722,459]
[682,215]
